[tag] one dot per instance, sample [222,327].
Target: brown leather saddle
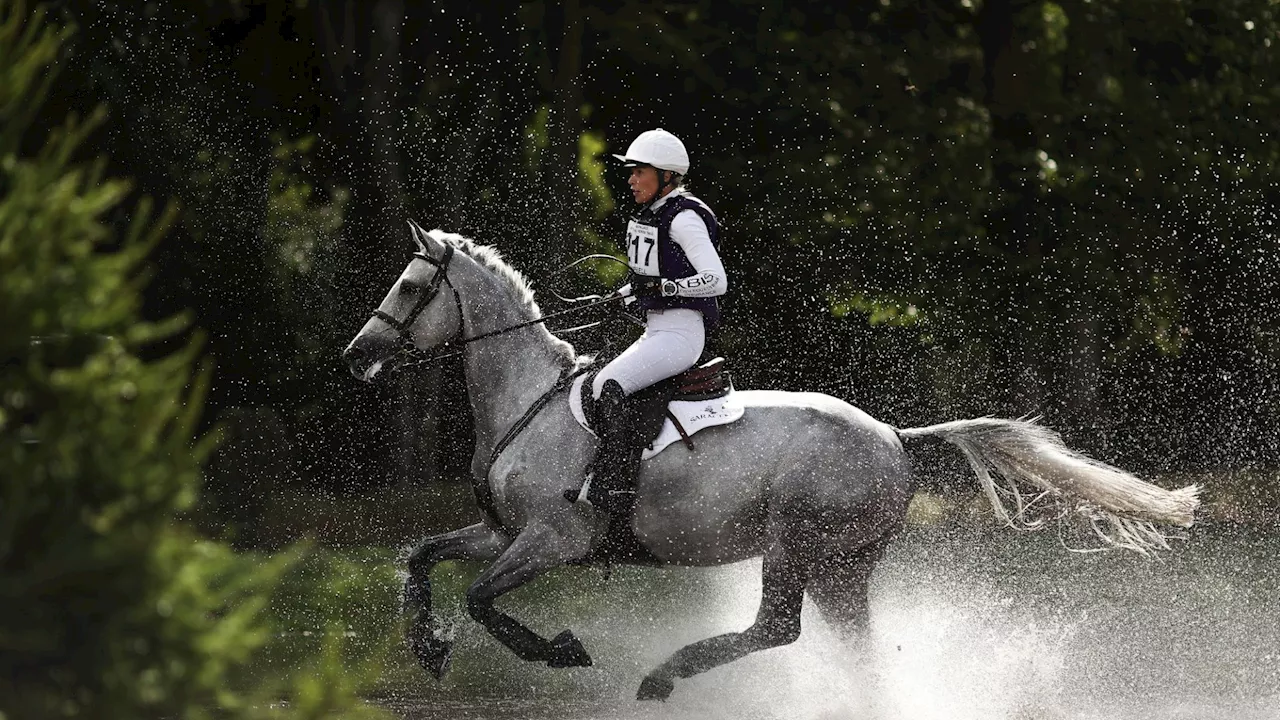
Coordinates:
[703,382]
[648,408]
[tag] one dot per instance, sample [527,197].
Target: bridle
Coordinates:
[428,294]
[480,485]
[432,289]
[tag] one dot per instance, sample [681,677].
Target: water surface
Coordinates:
[964,625]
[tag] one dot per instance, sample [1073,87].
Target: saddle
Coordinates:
[648,413]
[649,408]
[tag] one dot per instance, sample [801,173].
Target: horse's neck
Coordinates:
[506,373]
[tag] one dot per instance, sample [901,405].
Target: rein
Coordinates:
[429,293]
[480,486]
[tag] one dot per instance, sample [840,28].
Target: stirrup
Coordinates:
[580,494]
[583,496]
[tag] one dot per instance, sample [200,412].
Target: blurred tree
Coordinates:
[111,607]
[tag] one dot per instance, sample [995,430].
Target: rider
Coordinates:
[676,276]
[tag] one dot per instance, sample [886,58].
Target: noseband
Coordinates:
[428,294]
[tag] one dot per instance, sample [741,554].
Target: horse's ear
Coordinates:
[421,238]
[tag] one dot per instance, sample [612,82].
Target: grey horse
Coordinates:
[814,485]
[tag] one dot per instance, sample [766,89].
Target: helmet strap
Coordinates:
[662,186]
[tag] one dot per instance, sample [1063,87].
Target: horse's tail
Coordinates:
[1123,510]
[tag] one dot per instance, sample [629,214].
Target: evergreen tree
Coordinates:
[109,605]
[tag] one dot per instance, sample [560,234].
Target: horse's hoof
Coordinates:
[433,653]
[655,687]
[567,651]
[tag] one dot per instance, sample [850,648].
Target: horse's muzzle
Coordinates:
[360,362]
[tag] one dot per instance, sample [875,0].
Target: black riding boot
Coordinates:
[611,475]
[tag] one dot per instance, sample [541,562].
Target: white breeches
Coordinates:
[672,343]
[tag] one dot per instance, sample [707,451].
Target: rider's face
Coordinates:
[644,183]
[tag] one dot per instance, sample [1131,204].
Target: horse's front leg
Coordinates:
[539,548]
[475,542]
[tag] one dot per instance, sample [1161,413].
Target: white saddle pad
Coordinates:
[694,415]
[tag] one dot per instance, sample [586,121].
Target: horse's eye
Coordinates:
[408,286]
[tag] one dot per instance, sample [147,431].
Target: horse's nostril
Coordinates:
[353,355]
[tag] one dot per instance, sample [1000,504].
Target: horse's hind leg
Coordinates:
[838,585]
[777,623]
[475,542]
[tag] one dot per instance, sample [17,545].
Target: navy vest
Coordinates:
[667,260]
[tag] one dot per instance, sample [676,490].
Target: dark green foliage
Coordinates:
[110,606]
[933,209]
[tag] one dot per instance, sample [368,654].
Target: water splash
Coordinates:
[963,626]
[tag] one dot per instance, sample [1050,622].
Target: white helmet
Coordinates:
[658,148]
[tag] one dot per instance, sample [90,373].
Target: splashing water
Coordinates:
[963,627]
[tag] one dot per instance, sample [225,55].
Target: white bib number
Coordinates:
[642,249]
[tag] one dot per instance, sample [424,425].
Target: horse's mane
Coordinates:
[521,290]
[490,258]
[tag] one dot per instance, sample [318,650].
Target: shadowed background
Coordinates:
[933,210]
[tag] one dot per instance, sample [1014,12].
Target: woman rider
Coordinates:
[676,276]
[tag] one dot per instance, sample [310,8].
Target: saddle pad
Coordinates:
[694,415]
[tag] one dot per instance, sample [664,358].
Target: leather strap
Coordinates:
[480,486]
[688,441]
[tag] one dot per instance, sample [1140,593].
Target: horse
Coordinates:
[816,486]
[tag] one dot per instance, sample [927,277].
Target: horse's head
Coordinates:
[414,314]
